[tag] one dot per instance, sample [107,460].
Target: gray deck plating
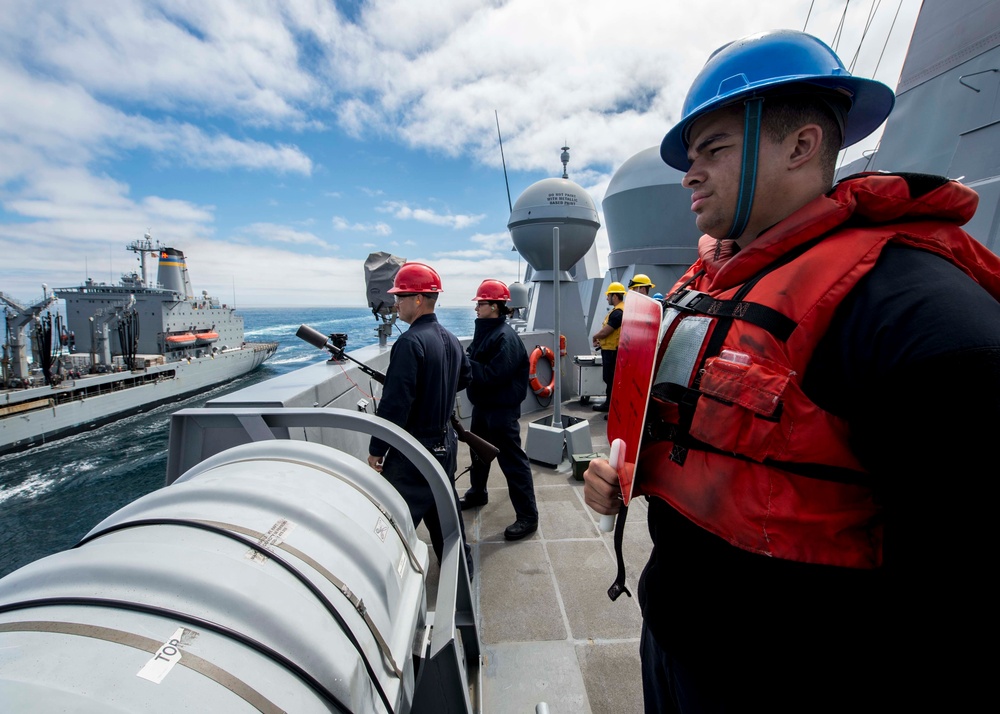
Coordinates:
[549,632]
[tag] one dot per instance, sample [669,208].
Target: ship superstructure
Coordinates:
[170,321]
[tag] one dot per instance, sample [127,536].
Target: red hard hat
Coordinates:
[416,278]
[493,290]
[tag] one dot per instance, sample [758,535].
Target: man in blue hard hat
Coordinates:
[821,409]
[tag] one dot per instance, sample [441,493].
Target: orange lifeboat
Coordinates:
[206,338]
[182,340]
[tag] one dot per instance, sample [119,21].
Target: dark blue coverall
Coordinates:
[499,382]
[427,368]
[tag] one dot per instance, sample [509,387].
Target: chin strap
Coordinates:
[748,171]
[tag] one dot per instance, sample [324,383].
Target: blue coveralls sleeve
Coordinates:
[499,365]
[400,388]
[466,373]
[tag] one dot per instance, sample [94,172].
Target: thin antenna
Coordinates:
[504,162]
[840,28]
[507,184]
[565,160]
[871,16]
[888,34]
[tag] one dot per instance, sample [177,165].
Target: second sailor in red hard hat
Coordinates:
[499,384]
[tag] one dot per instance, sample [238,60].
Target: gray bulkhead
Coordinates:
[947,115]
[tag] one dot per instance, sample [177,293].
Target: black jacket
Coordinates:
[426,370]
[499,366]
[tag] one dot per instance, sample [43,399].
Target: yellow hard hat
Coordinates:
[615,288]
[640,280]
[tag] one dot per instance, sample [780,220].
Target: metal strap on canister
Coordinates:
[147,644]
[357,602]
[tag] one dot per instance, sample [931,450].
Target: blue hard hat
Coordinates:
[758,65]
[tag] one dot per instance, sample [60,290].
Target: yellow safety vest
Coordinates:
[611,341]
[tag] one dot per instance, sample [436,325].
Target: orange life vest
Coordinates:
[732,441]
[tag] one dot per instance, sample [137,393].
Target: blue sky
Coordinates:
[279,143]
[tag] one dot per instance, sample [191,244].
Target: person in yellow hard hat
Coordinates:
[641,283]
[607,340]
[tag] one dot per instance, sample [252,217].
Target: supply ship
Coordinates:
[120,349]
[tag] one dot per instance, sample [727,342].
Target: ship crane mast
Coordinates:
[18,316]
[142,247]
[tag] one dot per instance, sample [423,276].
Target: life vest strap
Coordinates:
[767,318]
[686,400]
[683,442]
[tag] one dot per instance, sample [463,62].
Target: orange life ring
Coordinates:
[536,386]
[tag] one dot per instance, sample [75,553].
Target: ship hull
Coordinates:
[104,398]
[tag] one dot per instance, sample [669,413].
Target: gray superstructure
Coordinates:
[947,115]
[122,348]
[167,312]
[650,225]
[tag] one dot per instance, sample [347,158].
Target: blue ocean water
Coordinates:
[52,495]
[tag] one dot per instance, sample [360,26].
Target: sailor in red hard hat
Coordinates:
[499,383]
[427,368]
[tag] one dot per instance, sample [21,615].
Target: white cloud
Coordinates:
[65,125]
[83,233]
[404,212]
[493,242]
[358,118]
[223,56]
[272,233]
[606,77]
[466,254]
[223,152]
[265,276]
[379,229]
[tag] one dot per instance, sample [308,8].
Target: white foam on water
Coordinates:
[32,487]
